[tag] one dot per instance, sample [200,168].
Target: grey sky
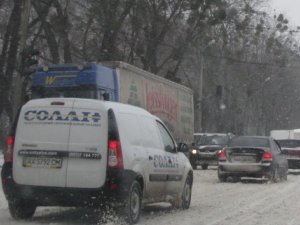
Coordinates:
[290,8]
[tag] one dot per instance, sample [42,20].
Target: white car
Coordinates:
[75,152]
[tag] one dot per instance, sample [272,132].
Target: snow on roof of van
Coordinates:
[42,101]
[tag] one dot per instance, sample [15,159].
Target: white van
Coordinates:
[76,152]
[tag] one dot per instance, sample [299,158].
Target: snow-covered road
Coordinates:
[213,203]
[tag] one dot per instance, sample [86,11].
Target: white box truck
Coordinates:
[285,134]
[282,134]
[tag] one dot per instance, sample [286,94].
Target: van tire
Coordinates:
[20,209]
[184,199]
[133,204]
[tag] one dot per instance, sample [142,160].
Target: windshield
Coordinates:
[289,143]
[249,141]
[76,92]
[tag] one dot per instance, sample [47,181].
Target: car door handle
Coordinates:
[150,157]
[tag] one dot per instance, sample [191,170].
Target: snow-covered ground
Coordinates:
[213,203]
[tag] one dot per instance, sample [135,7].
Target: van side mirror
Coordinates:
[182,147]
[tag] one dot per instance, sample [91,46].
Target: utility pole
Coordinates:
[199,107]
[200,94]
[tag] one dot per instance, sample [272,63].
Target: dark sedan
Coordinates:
[252,156]
[206,147]
[291,147]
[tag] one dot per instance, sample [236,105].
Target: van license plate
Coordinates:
[42,162]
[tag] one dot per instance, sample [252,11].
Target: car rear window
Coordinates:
[214,140]
[249,141]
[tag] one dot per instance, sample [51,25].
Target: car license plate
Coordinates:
[42,162]
[207,155]
[243,159]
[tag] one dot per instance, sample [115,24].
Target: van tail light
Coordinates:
[222,155]
[267,156]
[9,150]
[115,158]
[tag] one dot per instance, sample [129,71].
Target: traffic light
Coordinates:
[28,61]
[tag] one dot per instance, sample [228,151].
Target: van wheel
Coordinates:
[133,204]
[184,200]
[20,209]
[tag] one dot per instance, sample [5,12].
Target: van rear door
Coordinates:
[41,143]
[88,145]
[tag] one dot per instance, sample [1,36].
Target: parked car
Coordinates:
[291,147]
[76,152]
[252,156]
[205,148]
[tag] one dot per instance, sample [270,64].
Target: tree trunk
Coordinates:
[8,58]
[64,30]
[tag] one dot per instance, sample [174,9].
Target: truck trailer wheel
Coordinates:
[133,204]
[21,209]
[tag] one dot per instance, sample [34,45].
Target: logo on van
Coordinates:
[80,118]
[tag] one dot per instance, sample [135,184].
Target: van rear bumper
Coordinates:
[113,192]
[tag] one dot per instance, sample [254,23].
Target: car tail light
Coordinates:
[115,158]
[267,156]
[9,150]
[222,155]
